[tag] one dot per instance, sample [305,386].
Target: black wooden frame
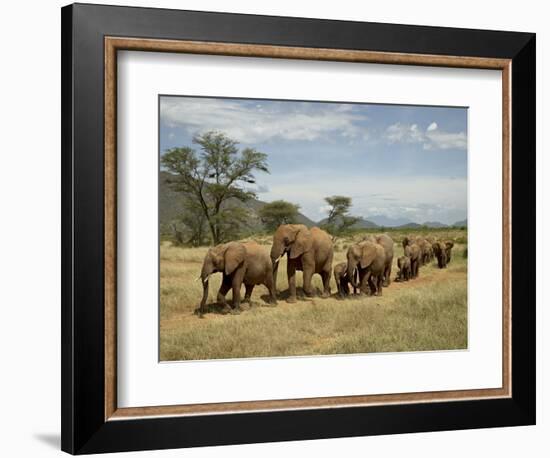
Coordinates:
[84,429]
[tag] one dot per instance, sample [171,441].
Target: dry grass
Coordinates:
[429,313]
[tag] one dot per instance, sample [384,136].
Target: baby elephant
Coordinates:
[404,264]
[342,279]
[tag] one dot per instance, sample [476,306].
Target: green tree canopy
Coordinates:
[212,176]
[338,219]
[278,212]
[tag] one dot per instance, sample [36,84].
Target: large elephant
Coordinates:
[369,259]
[387,243]
[440,252]
[413,251]
[430,253]
[239,262]
[308,250]
[425,250]
[408,240]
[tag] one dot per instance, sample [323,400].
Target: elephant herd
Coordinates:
[311,251]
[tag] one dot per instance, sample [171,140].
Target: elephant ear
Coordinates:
[302,244]
[234,257]
[449,244]
[368,253]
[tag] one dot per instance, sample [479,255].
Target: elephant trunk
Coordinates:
[206,271]
[275,271]
[202,307]
[277,250]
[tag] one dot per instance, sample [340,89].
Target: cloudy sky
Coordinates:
[395,161]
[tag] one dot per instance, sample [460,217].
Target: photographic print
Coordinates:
[296,228]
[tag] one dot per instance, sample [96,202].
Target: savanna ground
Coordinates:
[428,313]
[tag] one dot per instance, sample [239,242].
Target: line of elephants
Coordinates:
[311,250]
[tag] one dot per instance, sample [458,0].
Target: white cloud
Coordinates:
[431,138]
[445,140]
[416,198]
[403,133]
[253,124]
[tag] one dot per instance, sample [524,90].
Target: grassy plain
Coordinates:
[428,313]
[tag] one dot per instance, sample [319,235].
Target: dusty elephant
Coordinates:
[414,253]
[408,240]
[239,263]
[430,254]
[369,259]
[342,280]
[387,243]
[440,252]
[404,264]
[425,249]
[308,250]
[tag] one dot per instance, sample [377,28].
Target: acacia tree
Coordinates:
[278,212]
[194,219]
[213,176]
[338,219]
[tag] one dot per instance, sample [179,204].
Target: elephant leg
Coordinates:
[339,287]
[248,294]
[380,284]
[372,285]
[270,285]
[224,288]
[326,283]
[291,273]
[236,286]
[387,275]
[365,283]
[308,274]
[360,278]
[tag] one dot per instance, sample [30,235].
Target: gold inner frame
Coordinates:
[114,44]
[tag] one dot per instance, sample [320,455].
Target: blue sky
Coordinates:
[397,162]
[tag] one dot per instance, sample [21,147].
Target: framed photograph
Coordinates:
[284,228]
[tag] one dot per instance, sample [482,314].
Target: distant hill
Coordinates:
[361,224]
[386,221]
[171,207]
[410,226]
[463,223]
[434,224]
[365,224]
